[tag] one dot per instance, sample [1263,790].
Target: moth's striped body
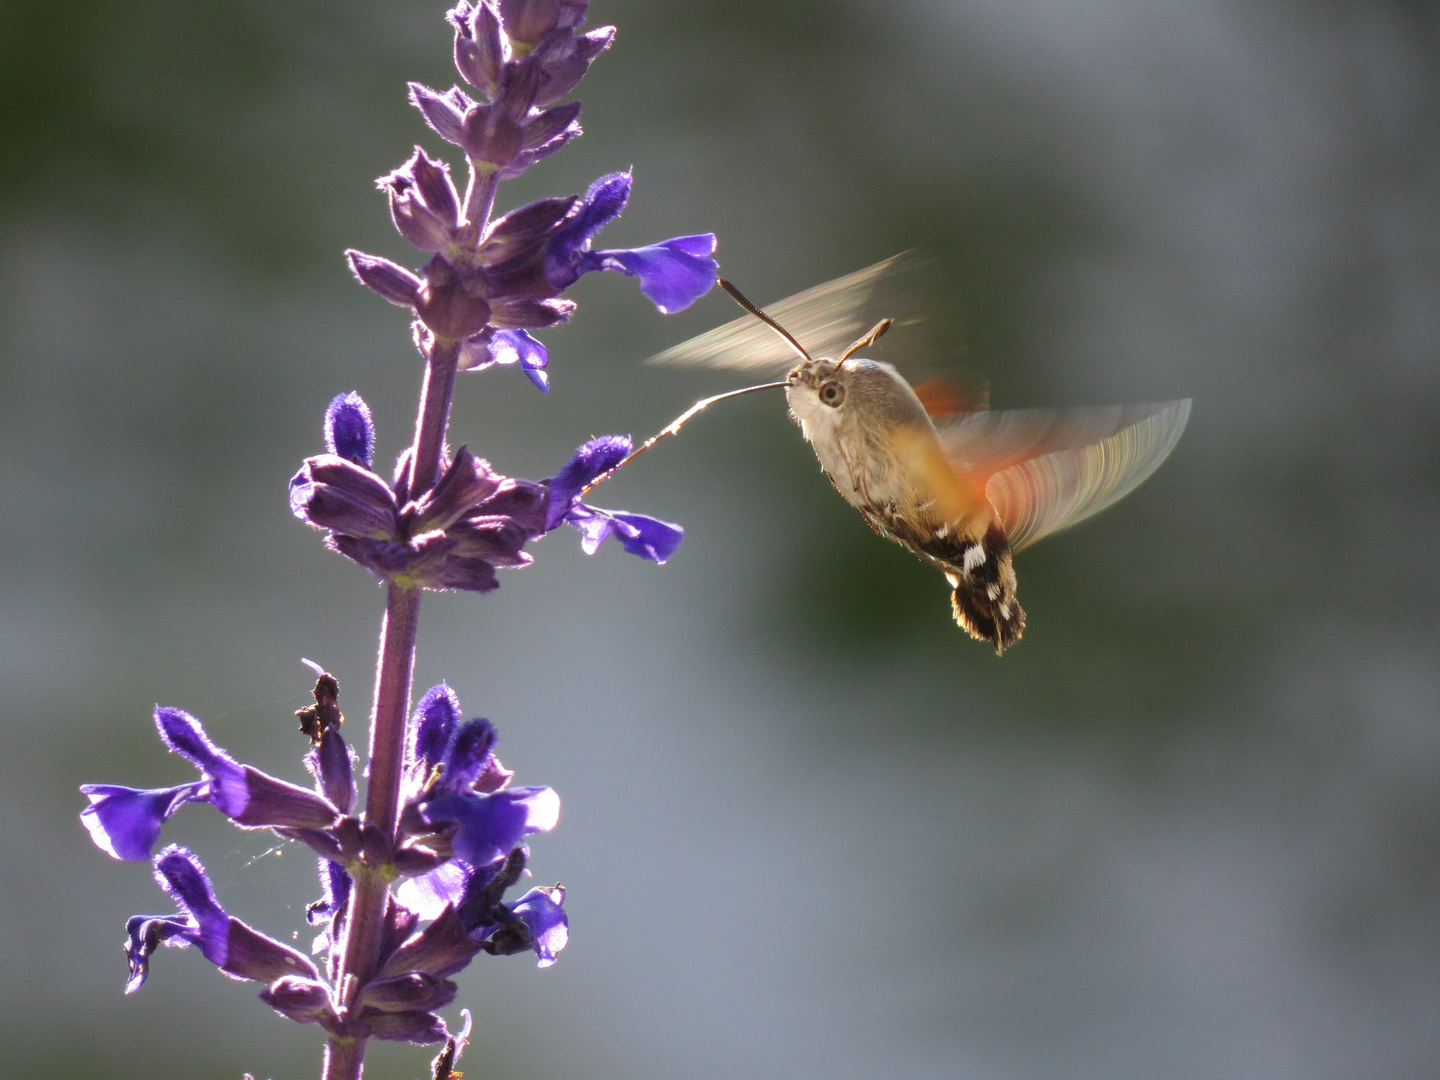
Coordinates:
[882,452]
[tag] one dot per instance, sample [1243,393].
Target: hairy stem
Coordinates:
[365,916]
[434,415]
[344,1058]
[480,193]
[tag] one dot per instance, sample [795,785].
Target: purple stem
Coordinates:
[344,1057]
[480,195]
[365,917]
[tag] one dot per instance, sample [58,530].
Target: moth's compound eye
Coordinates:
[832,393]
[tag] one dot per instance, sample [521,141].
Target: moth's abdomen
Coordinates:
[982,580]
[979,569]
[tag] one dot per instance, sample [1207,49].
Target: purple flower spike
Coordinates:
[349,429]
[125,822]
[491,825]
[543,912]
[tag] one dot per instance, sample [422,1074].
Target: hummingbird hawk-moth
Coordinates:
[962,487]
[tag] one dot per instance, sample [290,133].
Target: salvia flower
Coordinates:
[488,284]
[648,537]
[413,886]
[226,942]
[126,822]
[460,844]
[474,521]
[673,273]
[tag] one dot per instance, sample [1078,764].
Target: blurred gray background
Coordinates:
[1189,828]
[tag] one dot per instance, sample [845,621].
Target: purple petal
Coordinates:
[468,481]
[594,459]
[527,20]
[544,914]
[250,954]
[523,227]
[510,346]
[428,894]
[594,528]
[529,314]
[442,948]
[527,158]
[145,934]
[550,123]
[647,537]
[330,764]
[184,734]
[349,429]
[433,723]
[491,825]
[602,204]
[270,801]
[335,887]
[126,822]
[434,186]
[673,273]
[467,753]
[180,874]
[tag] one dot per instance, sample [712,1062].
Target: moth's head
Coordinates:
[826,391]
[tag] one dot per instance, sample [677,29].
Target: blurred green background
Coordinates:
[1189,828]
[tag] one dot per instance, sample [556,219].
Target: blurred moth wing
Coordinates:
[1045,494]
[1042,470]
[826,319]
[992,483]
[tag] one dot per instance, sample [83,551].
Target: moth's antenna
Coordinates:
[868,340]
[673,428]
[739,298]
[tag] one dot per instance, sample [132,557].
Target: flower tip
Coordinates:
[350,429]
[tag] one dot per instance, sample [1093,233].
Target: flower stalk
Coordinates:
[413,887]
